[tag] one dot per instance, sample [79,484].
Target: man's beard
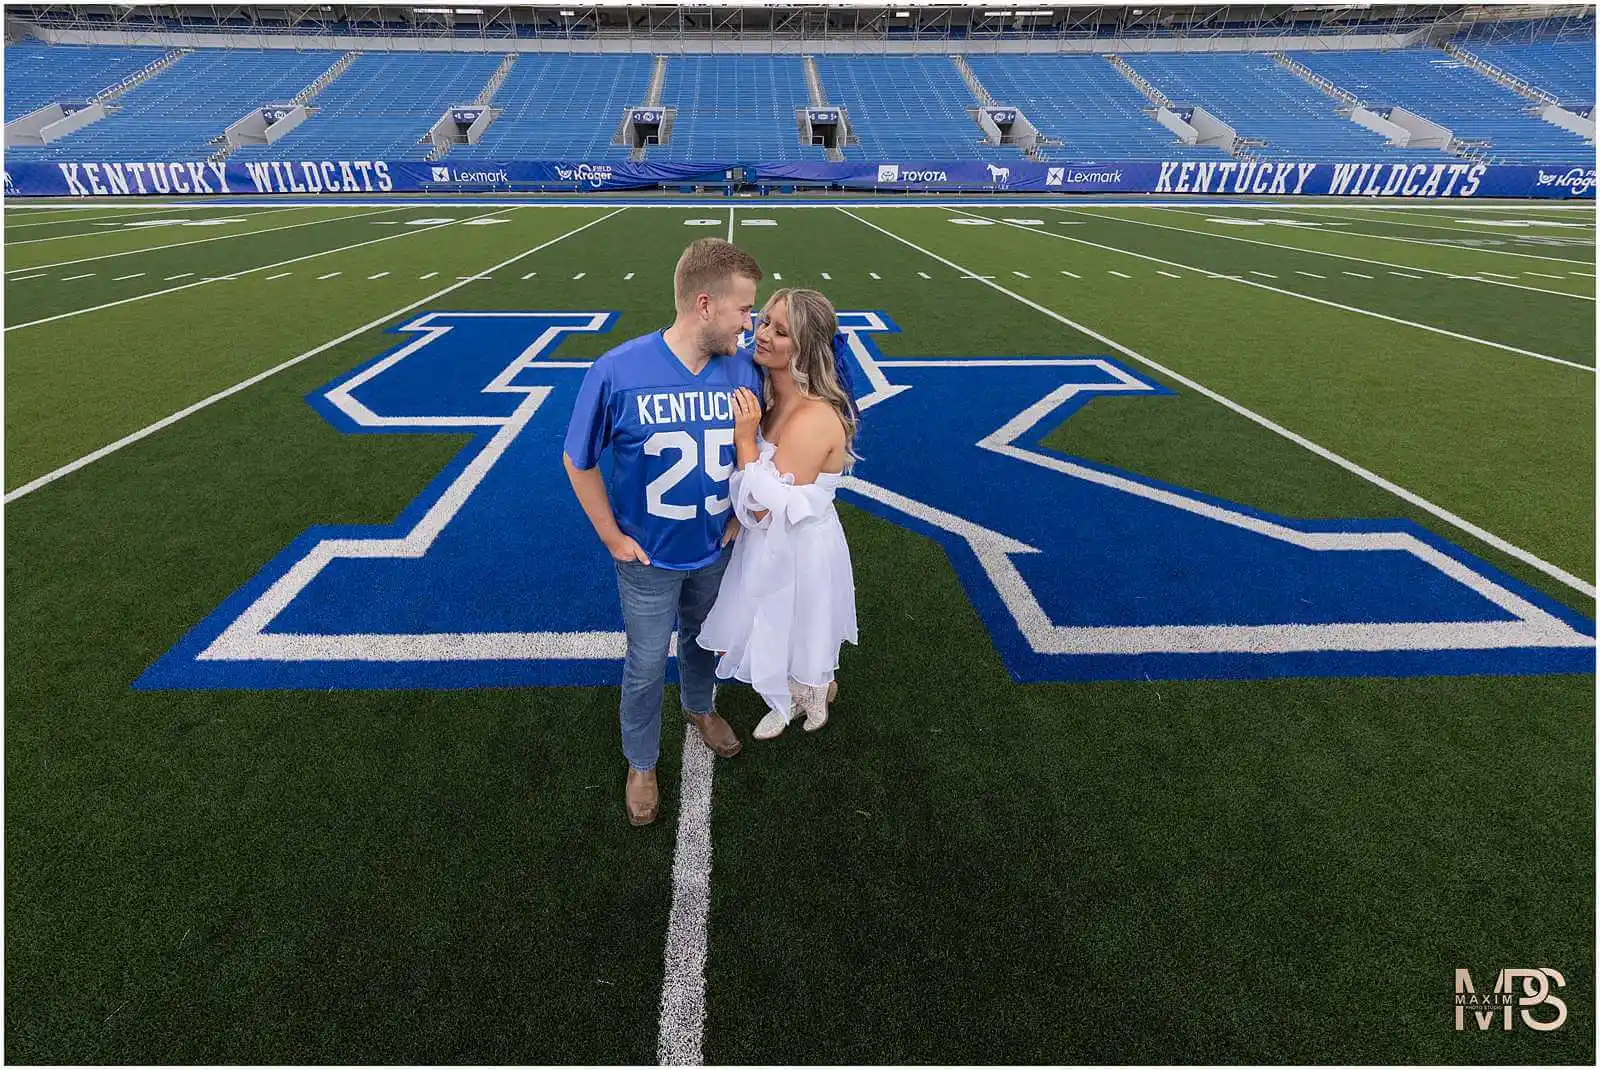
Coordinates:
[714,344]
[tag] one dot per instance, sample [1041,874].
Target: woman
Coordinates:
[787,600]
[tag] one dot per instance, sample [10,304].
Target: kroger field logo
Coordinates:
[596,175]
[1578,180]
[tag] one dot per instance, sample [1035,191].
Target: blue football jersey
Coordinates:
[670,434]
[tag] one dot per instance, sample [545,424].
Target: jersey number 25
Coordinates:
[717,439]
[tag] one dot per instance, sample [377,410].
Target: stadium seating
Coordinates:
[562,107]
[906,106]
[383,105]
[1085,102]
[1261,99]
[1439,87]
[735,108]
[177,114]
[38,74]
[741,107]
[1564,69]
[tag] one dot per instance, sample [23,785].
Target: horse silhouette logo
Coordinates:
[1001,175]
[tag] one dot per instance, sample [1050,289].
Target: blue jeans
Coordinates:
[653,599]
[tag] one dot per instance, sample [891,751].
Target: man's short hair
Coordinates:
[707,265]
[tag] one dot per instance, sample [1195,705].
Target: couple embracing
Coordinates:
[718,512]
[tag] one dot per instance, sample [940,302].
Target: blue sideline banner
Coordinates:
[1452,178]
[1443,179]
[119,178]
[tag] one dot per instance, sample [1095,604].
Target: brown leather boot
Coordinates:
[717,734]
[641,797]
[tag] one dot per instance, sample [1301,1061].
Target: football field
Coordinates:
[1226,680]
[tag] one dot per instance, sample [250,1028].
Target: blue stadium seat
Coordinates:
[1261,99]
[38,74]
[911,107]
[1440,87]
[1085,102]
[177,114]
[735,108]
[383,105]
[1564,69]
[562,107]
[567,106]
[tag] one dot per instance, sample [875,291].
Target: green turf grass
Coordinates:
[957,869]
[77,384]
[1504,440]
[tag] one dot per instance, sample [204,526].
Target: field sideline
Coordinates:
[1096,866]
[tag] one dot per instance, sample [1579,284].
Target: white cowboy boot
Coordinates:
[773,724]
[815,703]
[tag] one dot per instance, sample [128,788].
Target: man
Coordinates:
[663,405]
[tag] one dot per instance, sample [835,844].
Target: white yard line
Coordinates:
[1327,253]
[107,450]
[118,230]
[681,1039]
[70,216]
[202,241]
[1387,221]
[1488,537]
[236,274]
[1430,328]
[1420,241]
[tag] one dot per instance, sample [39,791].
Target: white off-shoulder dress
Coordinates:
[788,600]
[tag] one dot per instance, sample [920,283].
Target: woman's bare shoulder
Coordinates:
[818,420]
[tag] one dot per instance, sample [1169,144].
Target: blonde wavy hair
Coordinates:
[812,325]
